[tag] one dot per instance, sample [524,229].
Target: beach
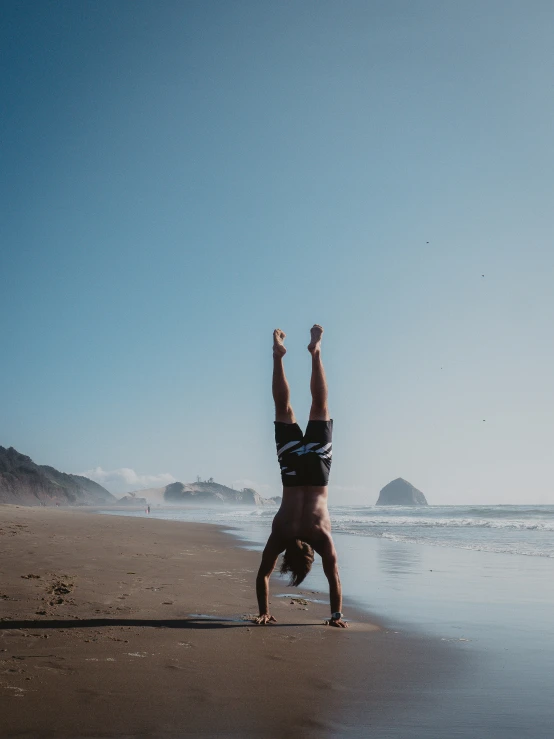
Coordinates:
[133,626]
[474,578]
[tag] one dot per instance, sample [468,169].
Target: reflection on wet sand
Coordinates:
[399,559]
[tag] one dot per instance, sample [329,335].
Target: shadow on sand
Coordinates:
[163,623]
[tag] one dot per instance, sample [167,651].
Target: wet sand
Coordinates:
[127,627]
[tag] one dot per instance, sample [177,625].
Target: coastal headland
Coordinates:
[120,626]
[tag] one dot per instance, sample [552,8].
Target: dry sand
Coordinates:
[102,636]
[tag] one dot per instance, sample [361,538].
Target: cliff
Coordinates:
[401,492]
[208,493]
[23,482]
[132,499]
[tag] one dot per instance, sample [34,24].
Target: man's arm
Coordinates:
[270,555]
[331,569]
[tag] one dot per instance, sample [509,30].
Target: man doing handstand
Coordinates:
[302,523]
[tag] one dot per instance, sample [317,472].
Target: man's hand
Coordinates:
[265,618]
[339,623]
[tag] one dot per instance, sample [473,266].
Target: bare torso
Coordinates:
[303,514]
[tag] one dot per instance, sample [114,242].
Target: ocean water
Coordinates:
[441,570]
[478,577]
[524,530]
[508,529]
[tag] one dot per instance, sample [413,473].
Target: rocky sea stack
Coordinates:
[401,492]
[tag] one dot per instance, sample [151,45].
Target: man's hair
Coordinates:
[297,559]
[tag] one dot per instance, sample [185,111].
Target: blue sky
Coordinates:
[179,178]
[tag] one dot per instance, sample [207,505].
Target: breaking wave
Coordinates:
[523,530]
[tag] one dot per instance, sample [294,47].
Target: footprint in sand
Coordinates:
[60,586]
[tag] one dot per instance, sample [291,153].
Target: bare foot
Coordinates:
[316,332]
[279,349]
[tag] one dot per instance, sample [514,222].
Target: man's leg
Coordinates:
[280,386]
[318,384]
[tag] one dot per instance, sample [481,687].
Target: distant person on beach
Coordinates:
[302,523]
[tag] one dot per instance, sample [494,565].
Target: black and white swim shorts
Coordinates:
[305,459]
